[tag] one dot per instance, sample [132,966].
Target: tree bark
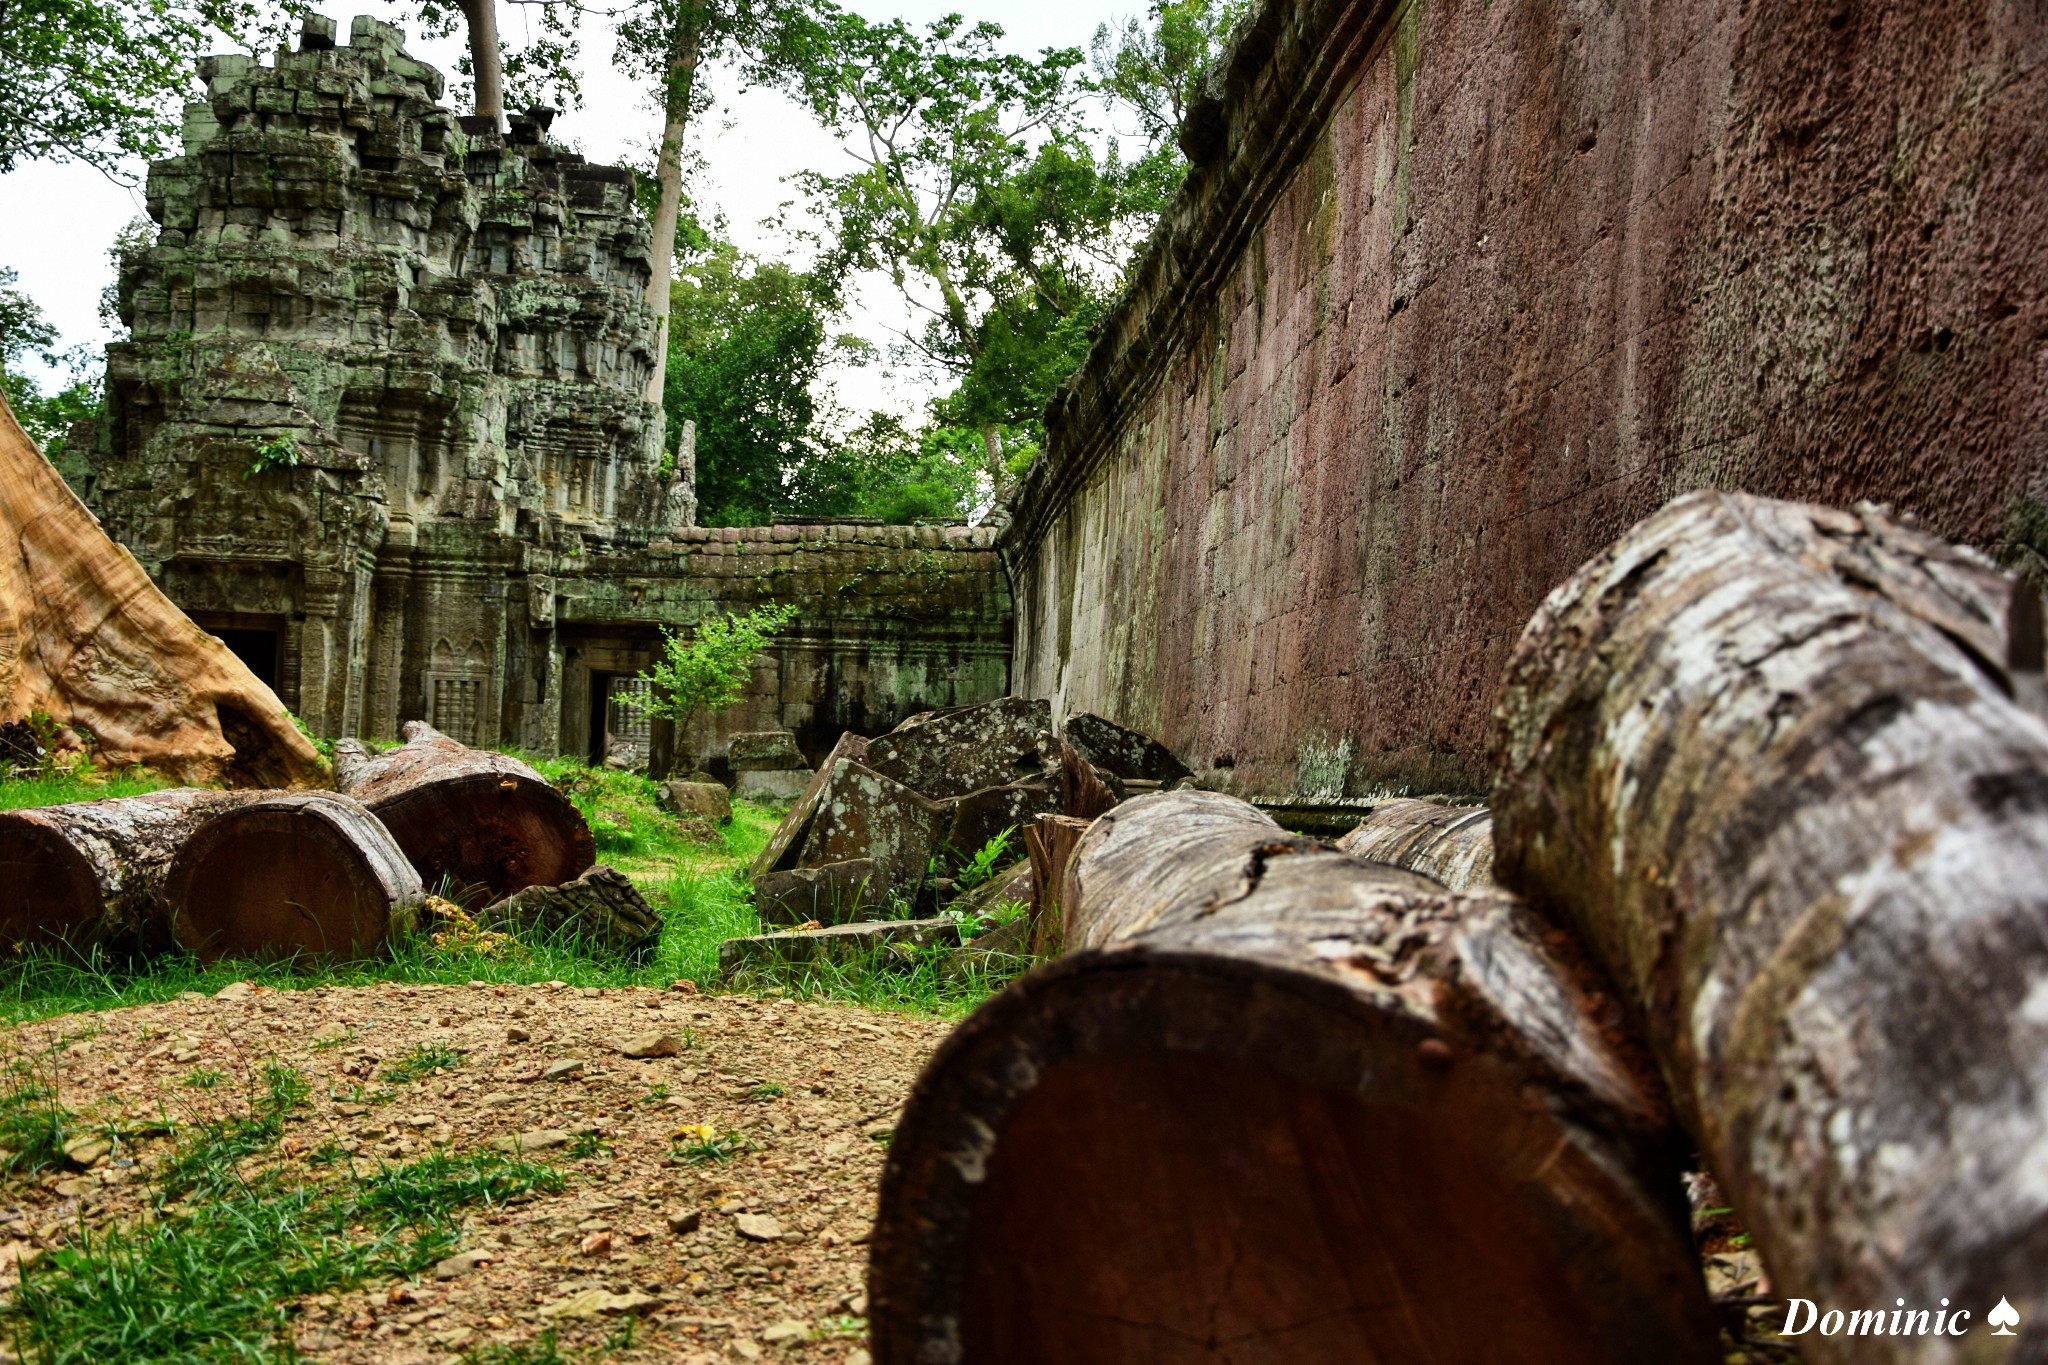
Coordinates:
[92,873]
[486,58]
[1277,1105]
[291,875]
[1762,756]
[86,638]
[1049,841]
[1448,844]
[685,51]
[478,823]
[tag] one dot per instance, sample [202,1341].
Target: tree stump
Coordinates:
[1763,757]
[1277,1105]
[1448,844]
[297,875]
[1049,842]
[92,873]
[470,820]
[87,638]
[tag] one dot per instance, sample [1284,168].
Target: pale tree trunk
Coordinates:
[1762,757]
[685,50]
[483,823]
[486,58]
[1449,844]
[1276,1104]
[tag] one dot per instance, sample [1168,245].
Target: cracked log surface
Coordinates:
[477,818]
[1277,1105]
[1761,755]
[86,637]
[93,872]
[1448,844]
[291,874]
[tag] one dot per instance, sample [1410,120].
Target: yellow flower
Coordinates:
[701,1132]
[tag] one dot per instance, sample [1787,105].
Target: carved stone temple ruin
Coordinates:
[381,425]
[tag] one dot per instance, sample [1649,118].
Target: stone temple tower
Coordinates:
[386,369]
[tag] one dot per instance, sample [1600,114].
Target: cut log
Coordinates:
[1448,844]
[291,875]
[1279,1105]
[468,818]
[1049,842]
[1083,793]
[86,638]
[1763,757]
[92,873]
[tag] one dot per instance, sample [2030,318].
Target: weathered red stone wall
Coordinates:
[1464,289]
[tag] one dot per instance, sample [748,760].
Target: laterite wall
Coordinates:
[1458,290]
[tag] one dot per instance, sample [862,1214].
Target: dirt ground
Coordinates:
[760,1256]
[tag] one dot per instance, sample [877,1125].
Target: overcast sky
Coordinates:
[61,219]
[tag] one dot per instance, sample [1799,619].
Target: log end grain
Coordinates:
[291,876]
[500,831]
[1145,1155]
[57,898]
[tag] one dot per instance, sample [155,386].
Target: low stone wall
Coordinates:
[891,620]
[1456,292]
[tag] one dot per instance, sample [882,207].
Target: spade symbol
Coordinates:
[2004,1317]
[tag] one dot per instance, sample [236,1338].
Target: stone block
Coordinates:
[772,786]
[764,751]
[708,799]
[863,814]
[963,749]
[1124,752]
[601,910]
[1013,883]
[786,844]
[836,893]
[980,816]
[841,943]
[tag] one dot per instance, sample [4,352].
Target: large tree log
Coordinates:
[468,818]
[93,873]
[88,639]
[1276,1106]
[291,875]
[1448,844]
[1762,756]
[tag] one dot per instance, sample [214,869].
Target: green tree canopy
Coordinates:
[746,341]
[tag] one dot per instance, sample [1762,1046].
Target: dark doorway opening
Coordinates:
[256,648]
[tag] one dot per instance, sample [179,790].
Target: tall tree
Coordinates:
[935,120]
[1154,69]
[672,40]
[746,341]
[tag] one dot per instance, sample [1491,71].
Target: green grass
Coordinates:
[424,1060]
[213,1279]
[695,875]
[232,1238]
[58,789]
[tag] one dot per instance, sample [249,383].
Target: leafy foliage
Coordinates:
[710,670]
[101,81]
[746,340]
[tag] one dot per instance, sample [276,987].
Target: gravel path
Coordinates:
[760,1256]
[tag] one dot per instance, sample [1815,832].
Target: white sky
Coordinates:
[56,222]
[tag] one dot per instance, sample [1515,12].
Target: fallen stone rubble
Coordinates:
[898,827]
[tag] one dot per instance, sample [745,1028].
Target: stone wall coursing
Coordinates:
[891,620]
[1458,291]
